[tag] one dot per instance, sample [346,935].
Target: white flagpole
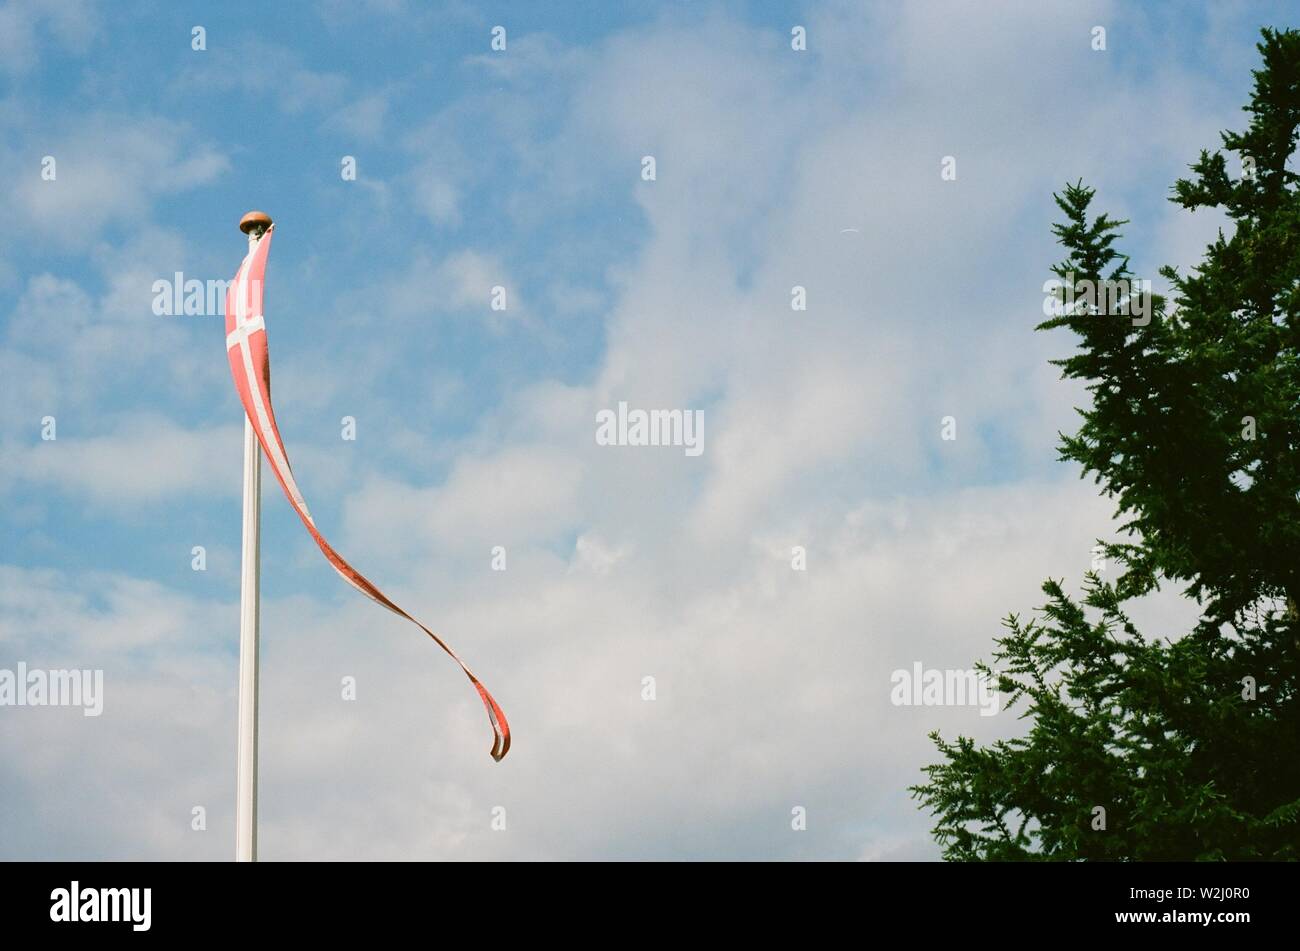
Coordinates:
[249,603]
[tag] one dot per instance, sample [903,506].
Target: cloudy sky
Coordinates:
[522,169]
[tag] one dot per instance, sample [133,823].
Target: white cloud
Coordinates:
[470,277]
[463,282]
[593,554]
[436,198]
[73,25]
[364,118]
[70,348]
[779,680]
[110,170]
[517,496]
[296,88]
[529,57]
[145,461]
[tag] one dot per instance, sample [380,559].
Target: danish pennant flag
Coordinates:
[251,367]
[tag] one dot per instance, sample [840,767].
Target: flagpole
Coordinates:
[254,224]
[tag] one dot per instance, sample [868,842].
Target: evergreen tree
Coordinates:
[1186,749]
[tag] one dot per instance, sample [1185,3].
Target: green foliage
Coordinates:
[1158,733]
[1171,399]
[1161,735]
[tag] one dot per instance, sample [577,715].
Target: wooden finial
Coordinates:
[257,221]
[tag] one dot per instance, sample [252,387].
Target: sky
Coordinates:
[524,169]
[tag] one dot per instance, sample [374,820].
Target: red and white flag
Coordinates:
[251,367]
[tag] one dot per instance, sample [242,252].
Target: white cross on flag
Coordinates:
[251,367]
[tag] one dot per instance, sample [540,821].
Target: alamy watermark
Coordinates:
[25,687]
[653,427]
[919,687]
[178,296]
[1125,297]
[130,905]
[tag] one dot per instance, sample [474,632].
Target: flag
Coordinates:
[251,367]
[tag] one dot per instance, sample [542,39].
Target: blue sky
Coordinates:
[522,168]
